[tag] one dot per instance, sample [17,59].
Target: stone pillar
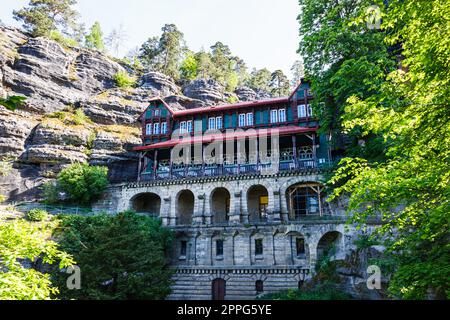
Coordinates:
[198,217]
[274,205]
[235,208]
[312,255]
[284,210]
[165,211]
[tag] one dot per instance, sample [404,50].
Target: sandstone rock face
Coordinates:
[14,130]
[208,91]
[246,94]
[159,82]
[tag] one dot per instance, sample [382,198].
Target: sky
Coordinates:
[262,32]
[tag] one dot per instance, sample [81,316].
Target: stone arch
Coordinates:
[257,203]
[185,204]
[147,202]
[303,199]
[330,244]
[220,201]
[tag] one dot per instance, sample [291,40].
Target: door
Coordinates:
[218,289]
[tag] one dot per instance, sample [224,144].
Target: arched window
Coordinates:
[220,205]
[185,207]
[259,286]
[257,203]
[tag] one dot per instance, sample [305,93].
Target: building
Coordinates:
[240,186]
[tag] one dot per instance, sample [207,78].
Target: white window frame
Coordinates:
[282,115]
[212,123]
[148,129]
[189,126]
[182,126]
[164,128]
[274,116]
[242,119]
[302,111]
[309,110]
[249,119]
[219,123]
[156,128]
[157,112]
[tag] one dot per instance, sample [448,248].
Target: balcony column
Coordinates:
[314,150]
[294,148]
[155,163]
[139,167]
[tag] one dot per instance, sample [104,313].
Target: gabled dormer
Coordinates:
[157,121]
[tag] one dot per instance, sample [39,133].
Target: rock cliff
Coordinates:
[74,111]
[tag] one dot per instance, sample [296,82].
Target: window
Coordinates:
[157,113]
[242,120]
[189,126]
[148,129]
[156,128]
[273,116]
[300,284]
[259,286]
[249,119]
[164,128]
[302,111]
[219,123]
[183,248]
[219,248]
[212,123]
[310,110]
[282,115]
[300,246]
[182,126]
[259,247]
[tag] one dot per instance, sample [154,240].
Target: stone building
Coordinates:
[240,185]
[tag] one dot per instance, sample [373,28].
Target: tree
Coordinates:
[164,54]
[204,64]
[189,67]
[298,72]
[131,264]
[409,109]
[94,40]
[343,58]
[115,39]
[279,84]
[24,246]
[83,183]
[260,79]
[43,16]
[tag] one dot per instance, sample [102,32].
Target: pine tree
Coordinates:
[94,39]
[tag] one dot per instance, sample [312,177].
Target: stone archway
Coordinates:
[257,203]
[185,207]
[331,244]
[220,205]
[146,203]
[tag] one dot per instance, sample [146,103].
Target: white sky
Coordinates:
[262,32]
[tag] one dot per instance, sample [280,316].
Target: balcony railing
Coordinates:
[196,171]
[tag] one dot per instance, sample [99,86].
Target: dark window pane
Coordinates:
[258,247]
[259,286]
[219,247]
[183,249]
[300,245]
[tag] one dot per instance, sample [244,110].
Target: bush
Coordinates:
[61,39]
[123,256]
[83,183]
[50,192]
[37,215]
[123,80]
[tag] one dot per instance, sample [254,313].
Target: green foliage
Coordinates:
[131,264]
[124,80]
[326,291]
[94,40]
[279,84]
[63,40]
[50,192]
[189,67]
[83,183]
[44,16]
[71,117]
[37,215]
[12,102]
[260,79]
[342,58]
[409,109]
[21,240]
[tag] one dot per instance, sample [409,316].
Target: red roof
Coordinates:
[227,136]
[230,106]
